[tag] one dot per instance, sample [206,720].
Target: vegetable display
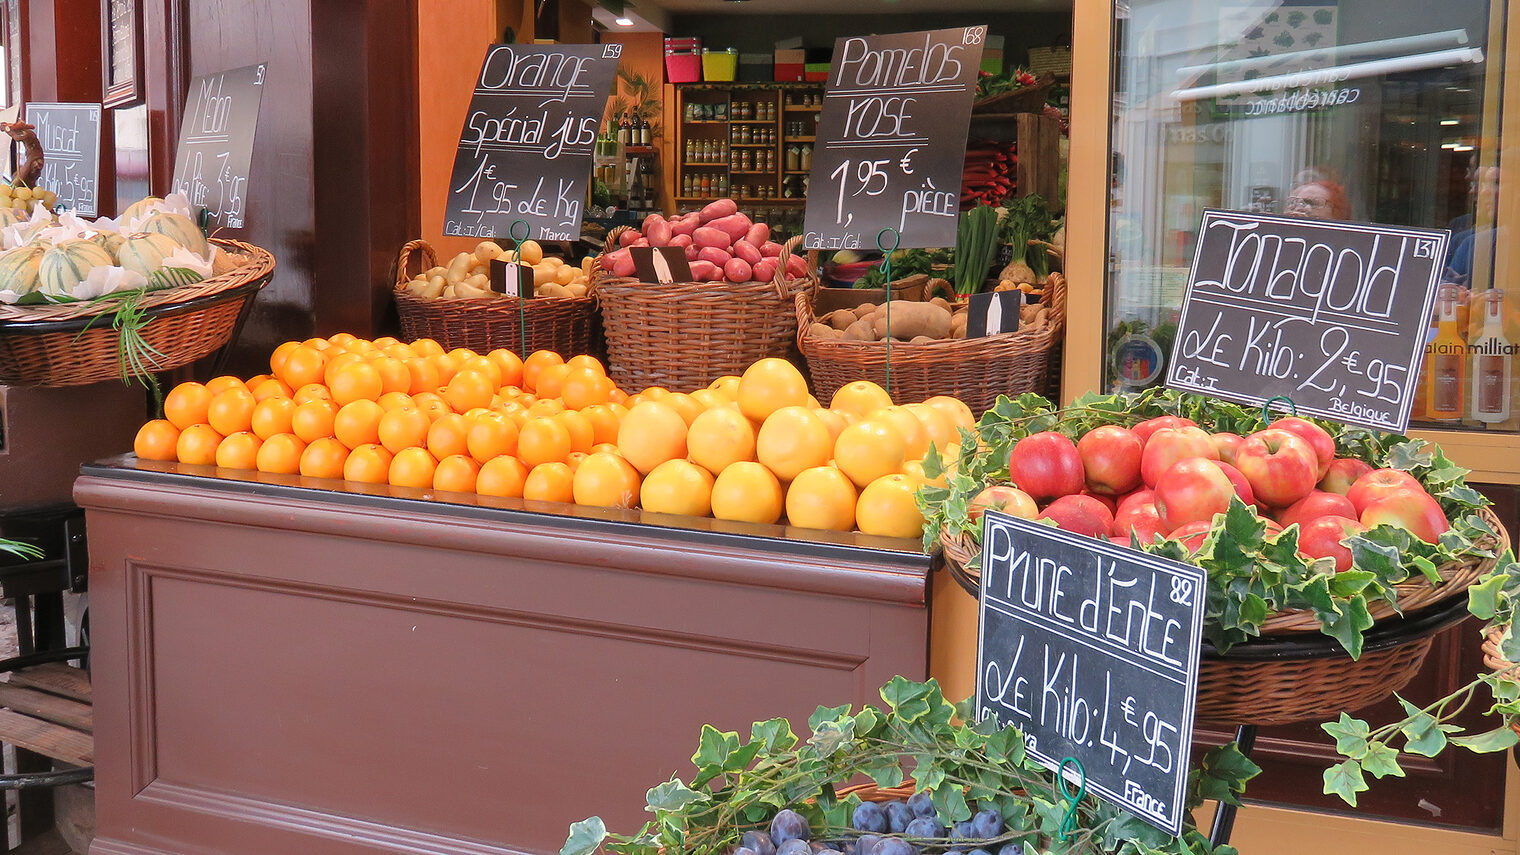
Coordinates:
[909,321]
[975,248]
[720,243]
[467,276]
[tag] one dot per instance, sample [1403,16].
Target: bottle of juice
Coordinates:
[1493,363]
[1446,363]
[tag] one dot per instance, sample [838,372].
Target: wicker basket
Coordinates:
[975,370]
[685,335]
[1030,99]
[74,344]
[561,324]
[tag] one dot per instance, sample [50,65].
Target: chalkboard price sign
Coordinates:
[526,148]
[892,139]
[216,143]
[1331,315]
[1092,649]
[70,137]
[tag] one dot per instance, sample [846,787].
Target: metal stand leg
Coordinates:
[1224,817]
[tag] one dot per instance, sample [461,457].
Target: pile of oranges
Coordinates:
[755,448]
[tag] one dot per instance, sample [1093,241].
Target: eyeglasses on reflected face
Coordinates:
[1301,202]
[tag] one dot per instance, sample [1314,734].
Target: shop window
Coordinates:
[1366,110]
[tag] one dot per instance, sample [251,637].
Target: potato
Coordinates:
[487,250]
[448,292]
[959,323]
[434,271]
[861,330]
[910,320]
[565,274]
[542,273]
[587,264]
[554,261]
[416,287]
[459,268]
[841,319]
[577,289]
[531,252]
[865,309]
[434,288]
[552,289]
[469,290]
[942,303]
[921,339]
[478,270]
[821,330]
[1026,312]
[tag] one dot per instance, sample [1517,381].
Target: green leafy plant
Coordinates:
[637,95]
[1251,574]
[975,248]
[741,784]
[19,549]
[905,263]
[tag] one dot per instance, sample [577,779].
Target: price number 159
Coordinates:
[870,180]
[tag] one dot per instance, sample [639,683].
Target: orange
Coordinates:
[434,406]
[550,482]
[887,507]
[302,365]
[312,392]
[197,444]
[218,385]
[509,364]
[574,460]
[651,434]
[551,380]
[394,375]
[606,480]
[491,435]
[960,414]
[456,473]
[654,393]
[324,458]
[281,454]
[412,467]
[769,385]
[253,382]
[583,388]
[156,440]
[460,354]
[342,339]
[272,416]
[834,421]
[633,401]
[586,362]
[861,397]
[604,423]
[937,424]
[709,399]
[914,469]
[678,487]
[449,436]
[543,440]
[313,420]
[546,407]
[534,365]
[238,451]
[609,447]
[358,423]
[270,388]
[747,492]
[334,363]
[186,404]
[396,401]
[910,426]
[483,365]
[503,476]
[445,367]
[356,381]
[618,396]
[427,347]
[369,464]
[468,390]
[424,376]
[385,341]
[719,438]
[278,356]
[403,428]
[400,351]
[870,449]
[686,405]
[791,440]
[582,432]
[324,345]
[821,497]
[231,412]
[727,386]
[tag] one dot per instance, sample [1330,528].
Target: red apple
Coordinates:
[1281,467]
[1145,429]
[1191,535]
[1140,517]
[1169,445]
[1193,490]
[1009,500]
[1046,465]
[1376,484]
[1321,538]
[1138,497]
[1342,473]
[1122,541]
[1317,437]
[1412,508]
[1079,514]
[1227,444]
[1242,486]
[1110,502]
[1317,504]
[1111,459]
[1273,529]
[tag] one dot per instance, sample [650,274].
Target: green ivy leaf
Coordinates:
[885,771]
[1345,779]
[1423,732]
[1483,598]
[823,714]
[714,748]
[1348,626]
[1409,456]
[774,734]
[908,699]
[1350,735]
[830,736]
[1498,739]
[1351,582]
[671,795]
[951,804]
[1381,761]
[585,837]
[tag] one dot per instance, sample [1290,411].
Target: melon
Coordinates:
[109,241]
[145,253]
[139,208]
[67,264]
[179,229]
[12,216]
[20,269]
[172,277]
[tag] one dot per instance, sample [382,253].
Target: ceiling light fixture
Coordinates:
[1445,122]
[624,22]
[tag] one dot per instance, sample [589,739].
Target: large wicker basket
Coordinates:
[975,370]
[561,324]
[1493,658]
[685,335]
[75,344]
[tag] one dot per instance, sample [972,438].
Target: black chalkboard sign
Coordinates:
[892,139]
[70,137]
[1329,314]
[216,143]
[1092,650]
[526,148]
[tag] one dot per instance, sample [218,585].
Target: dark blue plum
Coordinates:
[1011,849]
[895,846]
[963,831]
[758,842]
[789,825]
[979,852]
[898,816]
[925,827]
[743,850]
[988,824]
[794,847]
[869,817]
[867,844]
[922,805]
[850,848]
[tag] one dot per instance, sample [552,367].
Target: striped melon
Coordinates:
[172,277]
[145,253]
[139,208]
[20,269]
[67,264]
[178,229]
[109,241]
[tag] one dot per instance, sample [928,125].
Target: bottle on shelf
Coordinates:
[623,129]
[1446,369]
[644,136]
[1493,363]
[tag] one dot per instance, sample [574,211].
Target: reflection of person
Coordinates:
[1319,200]
[1478,239]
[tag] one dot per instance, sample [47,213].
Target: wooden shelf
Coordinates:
[804,109]
[716,165]
[802,139]
[757,201]
[798,172]
[751,145]
[753,171]
[752,121]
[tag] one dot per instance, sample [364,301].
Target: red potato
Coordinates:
[680,240]
[691,250]
[719,209]
[747,251]
[610,260]
[765,270]
[758,234]
[705,271]
[718,257]
[770,249]
[639,241]
[627,238]
[709,236]
[796,266]
[623,266]
[735,226]
[658,233]
[683,227]
[649,221]
[737,270]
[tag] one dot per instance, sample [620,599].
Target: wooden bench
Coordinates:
[45,708]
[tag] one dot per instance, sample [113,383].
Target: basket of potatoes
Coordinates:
[925,343]
[453,303]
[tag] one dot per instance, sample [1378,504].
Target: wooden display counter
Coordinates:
[279,668]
